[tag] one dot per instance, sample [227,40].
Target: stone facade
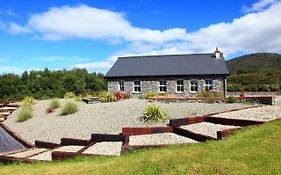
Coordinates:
[151,84]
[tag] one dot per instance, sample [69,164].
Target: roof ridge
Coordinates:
[138,56]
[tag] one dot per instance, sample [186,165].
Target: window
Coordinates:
[162,86]
[179,86]
[208,85]
[122,85]
[137,86]
[193,85]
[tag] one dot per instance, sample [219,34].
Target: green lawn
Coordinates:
[255,150]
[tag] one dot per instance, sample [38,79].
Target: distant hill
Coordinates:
[265,62]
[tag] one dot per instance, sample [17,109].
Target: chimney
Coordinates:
[218,53]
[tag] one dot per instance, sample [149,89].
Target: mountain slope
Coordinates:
[255,62]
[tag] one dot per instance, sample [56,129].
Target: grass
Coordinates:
[69,108]
[25,112]
[55,103]
[254,150]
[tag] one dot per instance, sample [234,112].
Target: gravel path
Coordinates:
[208,129]
[100,118]
[105,149]
[47,156]
[159,139]
[278,100]
[264,113]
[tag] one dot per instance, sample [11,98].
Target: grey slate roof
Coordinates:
[168,65]
[8,143]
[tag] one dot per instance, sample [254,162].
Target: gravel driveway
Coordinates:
[100,118]
[278,100]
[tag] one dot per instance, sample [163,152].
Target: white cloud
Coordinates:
[91,23]
[258,6]
[98,65]
[9,12]
[17,29]
[254,32]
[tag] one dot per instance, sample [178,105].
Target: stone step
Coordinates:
[207,129]
[104,149]
[8,109]
[27,153]
[158,139]
[4,113]
[47,155]
[2,118]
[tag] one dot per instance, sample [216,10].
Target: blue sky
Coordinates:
[92,34]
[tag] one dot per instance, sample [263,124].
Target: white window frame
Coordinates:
[193,85]
[209,86]
[122,83]
[179,85]
[137,86]
[162,86]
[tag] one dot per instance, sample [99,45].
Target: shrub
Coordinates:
[263,87]
[274,87]
[231,99]
[205,94]
[50,110]
[234,87]
[88,96]
[141,97]
[218,94]
[211,101]
[149,94]
[29,100]
[78,98]
[119,95]
[242,93]
[153,113]
[55,103]
[25,112]
[69,95]
[127,95]
[69,108]
[162,94]
[107,97]
[253,88]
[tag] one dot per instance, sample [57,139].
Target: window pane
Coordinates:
[162,82]
[122,85]
[137,87]
[137,82]
[193,85]
[179,82]
[208,85]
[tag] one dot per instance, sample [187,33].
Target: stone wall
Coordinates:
[151,84]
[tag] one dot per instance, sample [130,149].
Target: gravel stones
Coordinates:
[45,156]
[159,139]
[208,129]
[264,113]
[105,149]
[103,118]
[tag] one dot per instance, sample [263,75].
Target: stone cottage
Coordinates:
[182,74]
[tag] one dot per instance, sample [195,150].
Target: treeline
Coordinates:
[48,84]
[255,80]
